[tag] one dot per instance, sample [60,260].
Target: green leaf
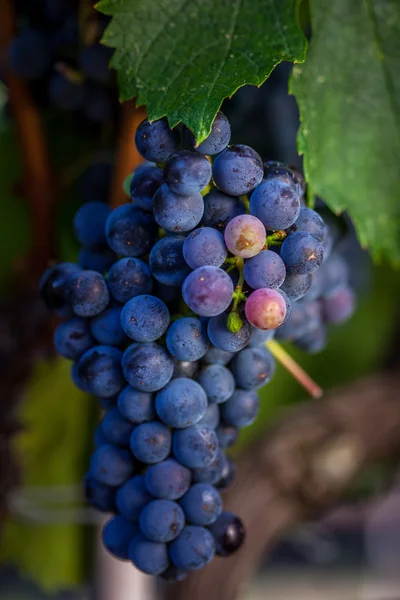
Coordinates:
[349,97]
[181,58]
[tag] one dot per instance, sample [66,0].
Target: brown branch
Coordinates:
[128,158]
[38,182]
[298,472]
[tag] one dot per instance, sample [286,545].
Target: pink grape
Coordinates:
[245,236]
[265,309]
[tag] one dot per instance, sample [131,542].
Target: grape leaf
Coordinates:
[181,58]
[349,97]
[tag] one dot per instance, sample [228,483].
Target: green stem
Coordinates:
[246,202]
[234,321]
[276,238]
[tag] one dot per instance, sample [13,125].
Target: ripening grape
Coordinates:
[245,236]
[265,309]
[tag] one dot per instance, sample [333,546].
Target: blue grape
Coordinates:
[275,203]
[277,170]
[111,465]
[29,54]
[147,367]
[130,231]
[72,338]
[204,246]
[211,417]
[116,429]
[339,305]
[87,293]
[150,557]
[144,185]
[187,339]
[309,220]
[334,275]
[99,439]
[228,532]
[227,435]
[218,357]
[145,318]
[193,549]
[182,402]
[259,337]
[226,340]
[106,327]
[177,213]
[216,141]
[136,406]
[162,520]
[241,409]
[167,479]
[296,286]
[132,497]
[66,94]
[196,446]
[156,141]
[313,341]
[100,260]
[238,170]
[208,291]
[184,368]
[117,534]
[90,223]
[252,368]
[54,284]
[219,209]
[212,473]
[217,382]
[302,253]
[173,574]
[265,270]
[151,442]
[129,277]
[93,61]
[187,172]
[304,317]
[228,475]
[202,504]
[101,497]
[77,380]
[100,370]
[166,261]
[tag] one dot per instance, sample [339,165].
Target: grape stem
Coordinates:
[275,239]
[294,369]
[246,202]
[234,321]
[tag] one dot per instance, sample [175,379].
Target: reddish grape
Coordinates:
[265,309]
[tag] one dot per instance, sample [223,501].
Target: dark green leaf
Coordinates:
[181,58]
[349,97]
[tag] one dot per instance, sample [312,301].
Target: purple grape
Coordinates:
[224,339]
[216,141]
[238,170]
[296,286]
[156,141]
[265,270]
[339,305]
[144,184]
[265,309]
[245,236]
[309,220]
[208,291]
[219,209]
[275,203]
[302,253]
[187,172]
[204,246]
[176,213]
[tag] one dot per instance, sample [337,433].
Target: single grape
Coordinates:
[187,339]
[129,277]
[130,231]
[310,221]
[182,402]
[196,446]
[260,337]
[87,293]
[245,236]
[54,284]
[229,533]
[334,275]
[100,370]
[144,185]
[116,429]
[275,203]
[145,318]
[296,286]
[217,382]
[277,170]
[207,291]
[176,213]
[265,309]
[136,406]
[187,172]
[339,305]
[132,497]
[228,475]
[227,435]
[29,54]
[202,504]
[241,409]
[106,327]
[111,465]
[217,140]
[204,246]
[101,497]
[156,141]
[212,473]
[100,260]
[313,341]
[151,442]
[184,368]
[166,261]
[218,357]
[305,316]
[66,94]
[162,520]
[147,367]
[252,368]
[77,380]
[211,417]
[117,534]
[72,338]
[302,253]
[266,270]
[238,170]
[219,209]
[90,222]
[168,479]
[93,61]
[150,557]
[193,549]
[226,340]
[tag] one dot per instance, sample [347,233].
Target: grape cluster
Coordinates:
[168,325]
